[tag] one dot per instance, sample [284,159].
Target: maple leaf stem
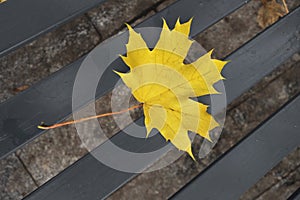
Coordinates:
[45,127]
[285,6]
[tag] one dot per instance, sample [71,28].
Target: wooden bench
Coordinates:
[227,178]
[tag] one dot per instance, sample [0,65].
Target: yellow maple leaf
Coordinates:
[161,80]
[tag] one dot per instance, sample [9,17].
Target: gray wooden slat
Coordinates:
[22,21]
[90,179]
[240,168]
[20,114]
